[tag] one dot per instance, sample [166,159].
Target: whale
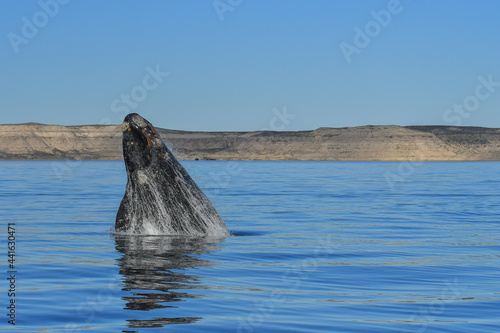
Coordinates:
[160,197]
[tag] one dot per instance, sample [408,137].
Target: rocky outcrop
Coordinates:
[34,141]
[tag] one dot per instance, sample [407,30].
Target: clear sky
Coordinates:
[251,64]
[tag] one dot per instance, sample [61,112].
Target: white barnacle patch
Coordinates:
[141,177]
[139,121]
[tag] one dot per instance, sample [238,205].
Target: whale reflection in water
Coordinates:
[153,268]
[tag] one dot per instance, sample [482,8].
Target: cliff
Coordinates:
[33,141]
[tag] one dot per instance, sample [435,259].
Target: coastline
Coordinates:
[39,142]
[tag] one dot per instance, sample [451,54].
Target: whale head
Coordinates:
[141,143]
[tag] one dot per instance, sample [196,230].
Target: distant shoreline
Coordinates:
[39,142]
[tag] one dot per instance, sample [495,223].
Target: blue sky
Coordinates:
[251,64]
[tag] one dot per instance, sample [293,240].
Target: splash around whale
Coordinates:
[160,198]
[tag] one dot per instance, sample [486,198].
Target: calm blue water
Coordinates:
[318,247]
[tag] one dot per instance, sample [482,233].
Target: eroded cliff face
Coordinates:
[45,142]
[34,141]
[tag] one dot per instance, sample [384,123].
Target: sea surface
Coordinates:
[316,247]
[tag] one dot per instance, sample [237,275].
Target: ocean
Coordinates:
[316,247]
